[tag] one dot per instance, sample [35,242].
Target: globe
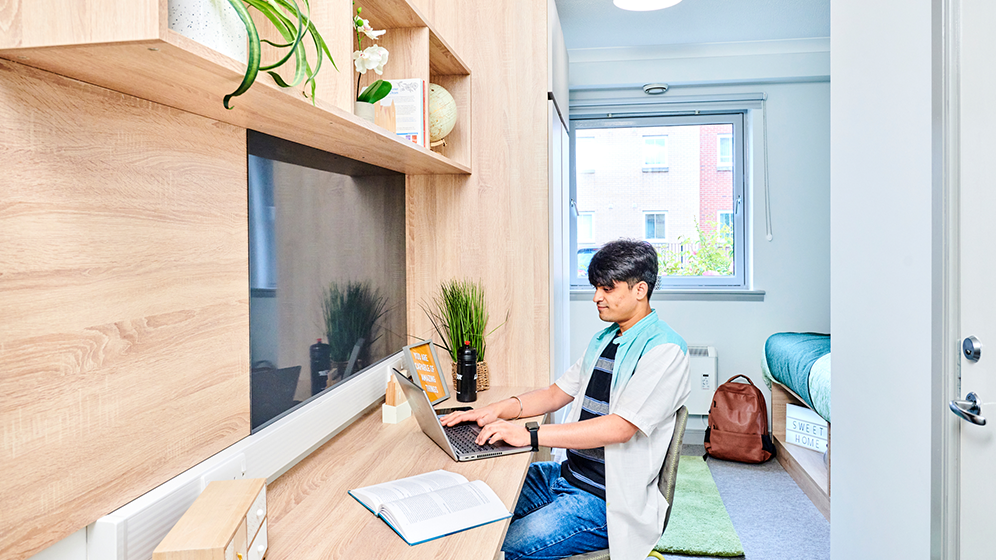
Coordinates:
[442,113]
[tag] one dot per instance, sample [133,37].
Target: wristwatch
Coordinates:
[533,428]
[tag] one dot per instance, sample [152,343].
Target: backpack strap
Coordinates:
[740,375]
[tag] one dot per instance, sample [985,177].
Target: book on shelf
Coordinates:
[435,504]
[408,105]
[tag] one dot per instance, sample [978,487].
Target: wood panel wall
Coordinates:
[493,226]
[124,339]
[124,298]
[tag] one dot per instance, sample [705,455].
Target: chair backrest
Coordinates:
[669,470]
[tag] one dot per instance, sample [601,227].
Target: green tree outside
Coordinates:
[709,255]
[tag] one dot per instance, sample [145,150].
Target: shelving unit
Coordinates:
[145,59]
[410,33]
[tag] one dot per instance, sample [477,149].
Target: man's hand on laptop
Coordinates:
[501,430]
[482,416]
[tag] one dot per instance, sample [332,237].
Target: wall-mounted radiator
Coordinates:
[703,362]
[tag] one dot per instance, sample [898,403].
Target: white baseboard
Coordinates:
[695,429]
[693,437]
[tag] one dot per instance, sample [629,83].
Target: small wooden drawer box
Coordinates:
[226,522]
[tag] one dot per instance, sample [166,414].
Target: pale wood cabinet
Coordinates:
[226,522]
[127,46]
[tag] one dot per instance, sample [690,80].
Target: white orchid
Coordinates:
[363,26]
[373,58]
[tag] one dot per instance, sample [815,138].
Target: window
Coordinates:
[586,154]
[654,226]
[690,214]
[586,227]
[725,219]
[724,151]
[655,153]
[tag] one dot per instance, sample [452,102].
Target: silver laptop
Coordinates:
[458,441]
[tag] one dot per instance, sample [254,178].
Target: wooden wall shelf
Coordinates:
[172,70]
[392,14]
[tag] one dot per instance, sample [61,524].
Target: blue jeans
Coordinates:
[554,519]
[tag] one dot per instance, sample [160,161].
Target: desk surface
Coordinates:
[310,515]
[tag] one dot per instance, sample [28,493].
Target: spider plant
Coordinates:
[351,311]
[459,314]
[292,28]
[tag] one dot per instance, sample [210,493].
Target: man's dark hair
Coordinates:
[624,260]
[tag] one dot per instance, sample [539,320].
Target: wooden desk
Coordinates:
[310,515]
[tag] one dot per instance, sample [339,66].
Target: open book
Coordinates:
[428,506]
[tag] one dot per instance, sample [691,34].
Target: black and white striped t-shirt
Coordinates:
[585,468]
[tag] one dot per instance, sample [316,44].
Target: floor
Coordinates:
[772,516]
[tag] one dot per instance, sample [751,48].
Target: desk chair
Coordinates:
[665,482]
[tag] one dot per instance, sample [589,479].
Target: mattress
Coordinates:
[801,362]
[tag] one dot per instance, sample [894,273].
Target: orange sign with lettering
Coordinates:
[423,366]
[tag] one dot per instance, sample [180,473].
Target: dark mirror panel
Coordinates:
[326,272]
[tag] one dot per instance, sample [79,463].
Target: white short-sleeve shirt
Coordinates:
[635,508]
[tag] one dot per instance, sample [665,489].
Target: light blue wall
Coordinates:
[794,268]
[881,288]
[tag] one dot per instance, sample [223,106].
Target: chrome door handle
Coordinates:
[969,409]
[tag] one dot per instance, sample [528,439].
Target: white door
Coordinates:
[977,274]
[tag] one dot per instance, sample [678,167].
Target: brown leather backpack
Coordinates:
[738,424]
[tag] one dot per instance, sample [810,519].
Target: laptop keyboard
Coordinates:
[463,438]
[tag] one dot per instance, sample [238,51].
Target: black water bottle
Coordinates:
[321,363]
[466,373]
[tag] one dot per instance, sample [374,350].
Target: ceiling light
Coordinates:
[644,5]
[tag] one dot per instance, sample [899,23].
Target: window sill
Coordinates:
[695,294]
[655,169]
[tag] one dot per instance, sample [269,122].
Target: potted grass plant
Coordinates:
[351,311]
[459,314]
[293,24]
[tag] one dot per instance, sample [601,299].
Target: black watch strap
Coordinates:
[533,428]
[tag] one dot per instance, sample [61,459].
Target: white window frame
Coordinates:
[595,117]
[646,213]
[721,163]
[648,166]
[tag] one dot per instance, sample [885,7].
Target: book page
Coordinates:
[374,497]
[448,510]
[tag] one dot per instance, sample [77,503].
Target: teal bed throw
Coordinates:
[801,361]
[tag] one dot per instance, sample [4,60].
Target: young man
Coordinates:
[625,392]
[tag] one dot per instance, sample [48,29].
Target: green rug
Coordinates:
[699,524]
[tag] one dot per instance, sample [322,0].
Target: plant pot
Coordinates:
[338,372]
[483,382]
[212,23]
[364,110]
